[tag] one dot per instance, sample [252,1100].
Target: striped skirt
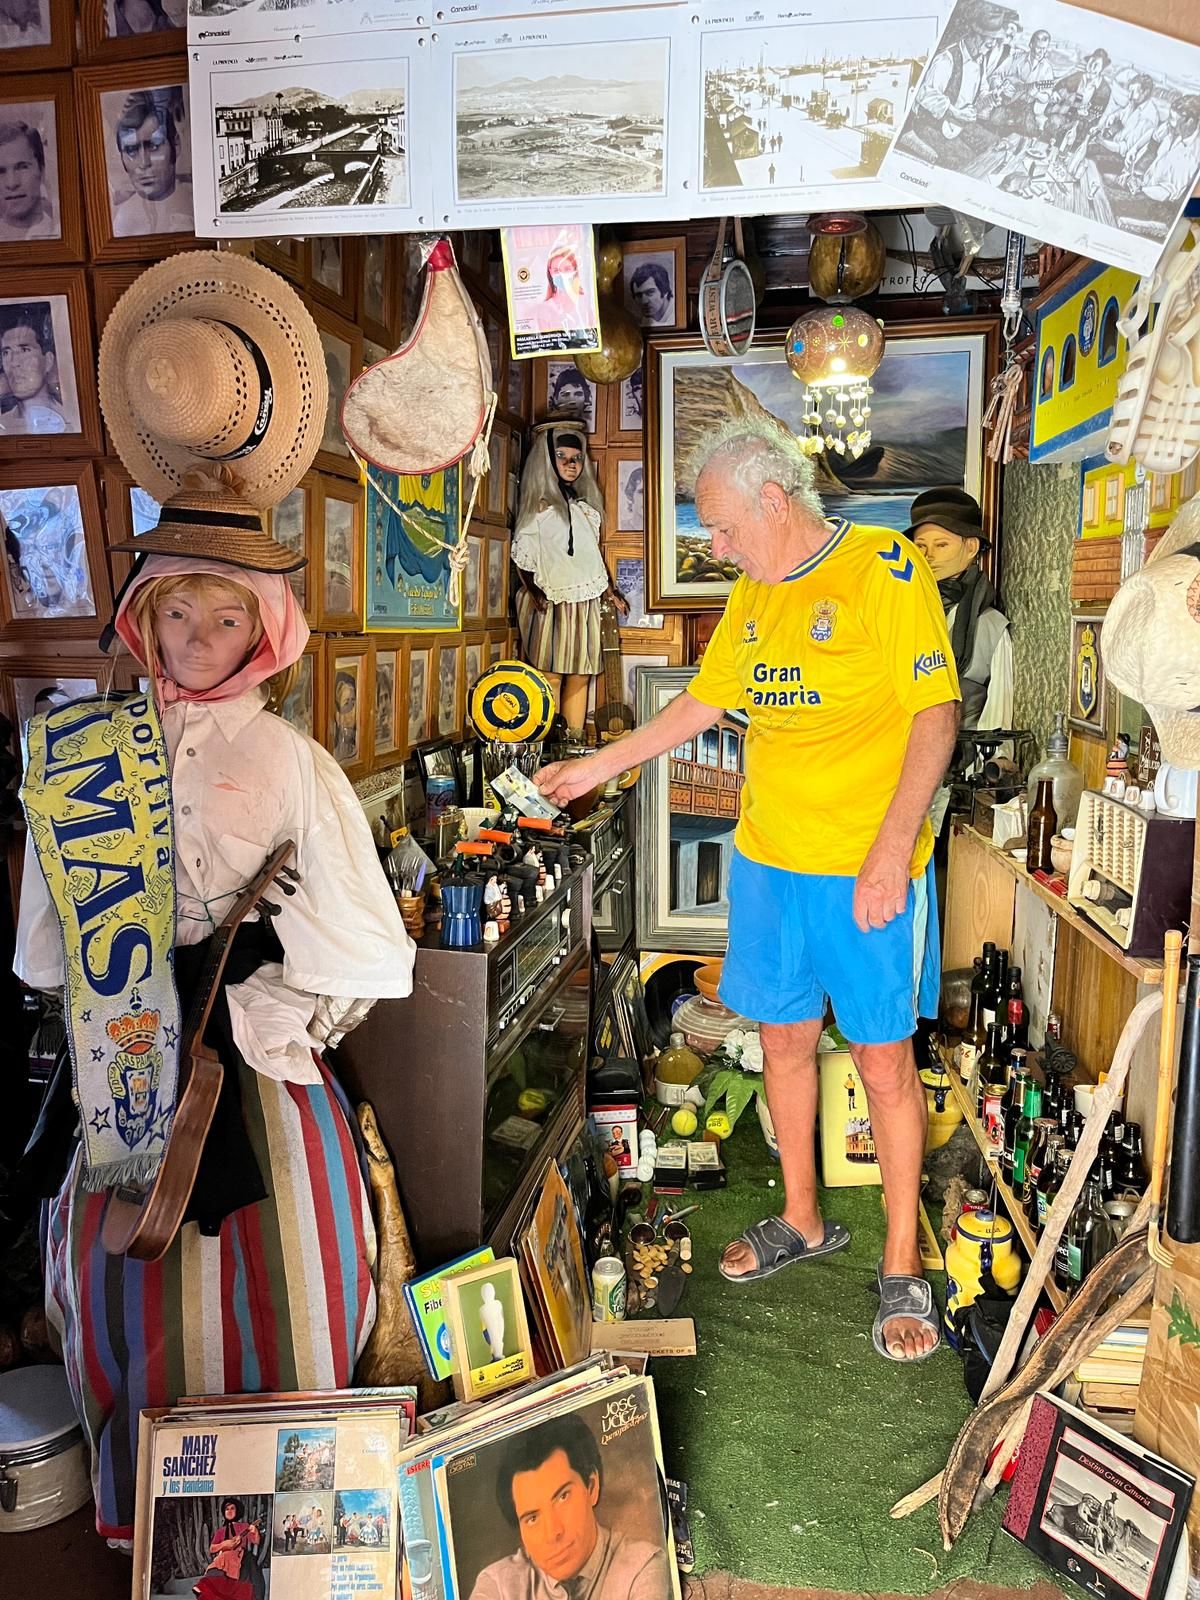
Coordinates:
[281,1298]
[565,638]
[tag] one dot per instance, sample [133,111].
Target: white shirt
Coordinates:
[242,781]
[135,216]
[541,548]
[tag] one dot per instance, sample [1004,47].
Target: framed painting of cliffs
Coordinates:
[926,424]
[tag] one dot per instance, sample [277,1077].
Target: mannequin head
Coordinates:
[947,553]
[199,627]
[947,528]
[568,457]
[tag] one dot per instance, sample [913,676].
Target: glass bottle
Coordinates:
[677,1068]
[967,1051]
[1043,825]
[1089,1234]
[1131,1167]
[1040,1150]
[993,1080]
[1065,777]
[1050,1182]
[993,994]
[1018,1016]
[1011,1106]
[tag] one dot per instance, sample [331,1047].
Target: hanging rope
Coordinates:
[478,463]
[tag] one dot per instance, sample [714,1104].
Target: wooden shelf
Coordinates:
[1144,970]
[1009,1200]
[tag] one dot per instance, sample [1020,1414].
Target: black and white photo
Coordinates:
[148,162]
[29,201]
[327,264]
[570,394]
[418,694]
[24,24]
[631,403]
[128,19]
[38,392]
[651,271]
[630,489]
[1069,127]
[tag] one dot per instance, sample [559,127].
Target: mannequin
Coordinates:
[267,1285]
[556,545]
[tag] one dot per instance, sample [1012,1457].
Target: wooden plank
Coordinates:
[1093,995]
[980,895]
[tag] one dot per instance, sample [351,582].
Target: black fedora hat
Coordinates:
[950,508]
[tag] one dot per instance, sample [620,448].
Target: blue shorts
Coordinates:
[793,942]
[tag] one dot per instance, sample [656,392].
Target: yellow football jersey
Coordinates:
[831,666]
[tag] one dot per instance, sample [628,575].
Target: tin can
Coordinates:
[608,1290]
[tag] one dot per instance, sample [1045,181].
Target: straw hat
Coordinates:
[211,359]
[210,518]
[1151,639]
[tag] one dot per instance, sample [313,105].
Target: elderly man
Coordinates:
[834,643]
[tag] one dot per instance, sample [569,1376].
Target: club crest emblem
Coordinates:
[821,622]
[133,1074]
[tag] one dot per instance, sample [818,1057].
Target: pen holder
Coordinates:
[461,903]
[412,913]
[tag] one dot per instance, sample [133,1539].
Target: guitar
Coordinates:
[614,719]
[142,1222]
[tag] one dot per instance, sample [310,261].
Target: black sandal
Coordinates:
[903,1296]
[776,1244]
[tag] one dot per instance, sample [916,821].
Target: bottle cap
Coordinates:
[676,1041]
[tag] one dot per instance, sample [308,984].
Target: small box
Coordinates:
[616,1128]
[671,1168]
[706,1170]
[847,1148]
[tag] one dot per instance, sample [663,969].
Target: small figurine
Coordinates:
[491,1320]
[1116,771]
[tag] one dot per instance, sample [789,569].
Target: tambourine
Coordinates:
[727,299]
[512,702]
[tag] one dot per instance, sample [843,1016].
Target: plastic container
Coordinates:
[1066,777]
[982,1240]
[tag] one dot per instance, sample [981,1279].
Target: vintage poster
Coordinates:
[310,136]
[552,1252]
[1067,126]
[797,109]
[300,1507]
[410,523]
[550,282]
[589,116]
[260,21]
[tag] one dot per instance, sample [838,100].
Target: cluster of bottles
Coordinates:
[1033,1124]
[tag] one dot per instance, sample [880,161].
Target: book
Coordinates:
[424,1296]
[553,1270]
[1110,1396]
[1095,1505]
[1093,1371]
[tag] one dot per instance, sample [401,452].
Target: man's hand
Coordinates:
[564,781]
[881,888]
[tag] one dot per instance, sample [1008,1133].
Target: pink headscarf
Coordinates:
[285,632]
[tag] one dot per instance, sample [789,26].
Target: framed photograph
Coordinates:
[338,545]
[304,704]
[514,398]
[342,343]
[1088,682]
[625,560]
[41,208]
[624,405]
[388,742]
[448,705]
[135,133]
[286,256]
[36,35]
[561,390]
[495,649]
[408,573]
[333,273]
[124,30]
[108,285]
[688,808]
[495,331]
[419,691]
[473,593]
[497,580]
[474,660]
[491,505]
[378,284]
[624,489]
[938,371]
[55,578]
[48,404]
[30,684]
[293,522]
[128,512]
[348,704]
[654,279]
[489,1330]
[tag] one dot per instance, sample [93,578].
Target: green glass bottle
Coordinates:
[1023,1137]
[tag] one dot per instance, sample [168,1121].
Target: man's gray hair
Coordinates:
[755,451]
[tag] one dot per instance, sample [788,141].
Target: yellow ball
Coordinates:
[684,1122]
[533,1102]
[719,1124]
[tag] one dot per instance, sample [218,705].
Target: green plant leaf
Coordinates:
[738,1097]
[720,1084]
[1181,1323]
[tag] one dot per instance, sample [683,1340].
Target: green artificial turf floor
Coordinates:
[794,1437]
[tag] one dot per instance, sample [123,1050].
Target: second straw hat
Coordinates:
[210,360]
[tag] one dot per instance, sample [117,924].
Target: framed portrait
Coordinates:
[495,331]
[333,273]
[48,404]
[286,256]
[348,704]
[418,691]
[293,522]
[108,285]
[342,344]
[624,402]
[54,583]
[125,30]
[496,578]
[378,284]
[474,248]
[474,660]
[448,689]
[654,282]
[304,704]
[41,206]
[135,133]
[472,583]
[128,511]
[388,742]
[642,628]
[936,371]
[491,504]
[36,35]
[514,397]
[1088,683]
[688,808]
[624,489]
[338,546]
[561,390]
[31,684]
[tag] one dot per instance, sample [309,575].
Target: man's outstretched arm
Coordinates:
[675,724]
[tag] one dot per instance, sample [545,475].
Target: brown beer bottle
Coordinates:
[1043,824]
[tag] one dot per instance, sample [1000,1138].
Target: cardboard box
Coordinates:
[616,1127]
[1180,19]
[847,1148]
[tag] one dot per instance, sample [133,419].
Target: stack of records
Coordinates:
[557,1487]
[549,1249]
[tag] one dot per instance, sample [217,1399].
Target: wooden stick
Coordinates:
[1166,1082]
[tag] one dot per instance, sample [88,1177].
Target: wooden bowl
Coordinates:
[707,979]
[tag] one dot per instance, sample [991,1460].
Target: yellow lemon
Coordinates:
[684,1122]
[719,1124]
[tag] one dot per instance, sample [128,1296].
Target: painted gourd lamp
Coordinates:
[834,351]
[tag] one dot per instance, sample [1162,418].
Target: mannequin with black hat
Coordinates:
[947,528]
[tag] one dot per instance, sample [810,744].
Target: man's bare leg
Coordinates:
[790,1075]
[899,1118]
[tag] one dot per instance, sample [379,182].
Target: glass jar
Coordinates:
[1066,777]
